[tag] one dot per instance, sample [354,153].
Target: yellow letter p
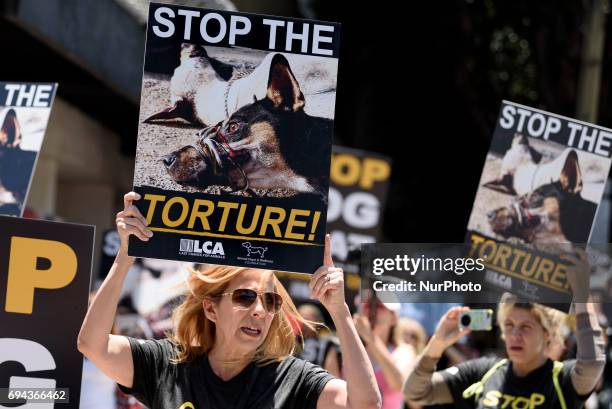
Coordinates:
[24,276]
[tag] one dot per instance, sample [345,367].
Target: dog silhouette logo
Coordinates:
[530,289]
[254,250]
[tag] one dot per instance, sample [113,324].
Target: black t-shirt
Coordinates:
[158,383]
[506,390]
[316,349]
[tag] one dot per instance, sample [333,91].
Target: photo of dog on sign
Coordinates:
[21,135]
[539,192]
[238,121]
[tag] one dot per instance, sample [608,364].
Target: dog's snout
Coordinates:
[169,159]
[491,215]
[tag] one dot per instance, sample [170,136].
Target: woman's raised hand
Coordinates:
[447,332]
[327,283]
[131,221]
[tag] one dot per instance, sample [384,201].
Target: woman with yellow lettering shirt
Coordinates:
[527,379]
[232,343]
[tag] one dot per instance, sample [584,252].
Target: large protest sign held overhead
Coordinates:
[234,139]
[542,183]
[45,273]
[24,113]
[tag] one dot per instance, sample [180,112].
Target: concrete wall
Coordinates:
[100,34]
[80,175]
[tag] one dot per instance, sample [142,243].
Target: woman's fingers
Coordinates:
[461,332]
[129,209]
[136,222]
[132,225]
[452,314]
[133,211]
[127,229]
[448,326]
[327,255]
[128,198]
[321,271]
[323,278]
[335,282]
[317,276]
[318,284]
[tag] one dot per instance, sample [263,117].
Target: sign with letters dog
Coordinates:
[234,139]
[24,113]
[541,185]
[45,273]
[359,181]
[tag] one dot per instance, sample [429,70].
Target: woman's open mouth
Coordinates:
[252,332]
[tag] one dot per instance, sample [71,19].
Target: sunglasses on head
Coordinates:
[245,297]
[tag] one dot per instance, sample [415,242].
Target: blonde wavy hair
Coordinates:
[550,319]
[407,327]
[194,334]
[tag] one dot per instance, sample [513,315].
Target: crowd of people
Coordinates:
[239,328]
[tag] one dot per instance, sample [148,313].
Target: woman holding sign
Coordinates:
[232,343]
[527,378]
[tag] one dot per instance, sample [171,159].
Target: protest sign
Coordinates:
[234,143]
[541,185]
[359,181]
[24,113]
[44,288]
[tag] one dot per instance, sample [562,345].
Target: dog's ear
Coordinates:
[283,89]
[571,176]
[519,139]
[11,128]
[224,70]
[189,50]
[193,50]
[502,185]
[182,109]
[536,156]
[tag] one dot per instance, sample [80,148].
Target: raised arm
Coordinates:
[359,390]
[590,356]
[395,365]
[111,353]
[424,385]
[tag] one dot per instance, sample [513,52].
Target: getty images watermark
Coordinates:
[405,264]
[423,272]
[481,270]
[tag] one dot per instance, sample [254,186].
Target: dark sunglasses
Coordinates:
[245,298]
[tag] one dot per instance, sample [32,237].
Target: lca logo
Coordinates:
[208,247]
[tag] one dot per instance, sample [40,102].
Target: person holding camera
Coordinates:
[527,378]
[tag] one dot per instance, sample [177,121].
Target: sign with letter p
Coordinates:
[45,272]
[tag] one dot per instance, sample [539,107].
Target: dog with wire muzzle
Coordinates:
[549,214]
[268,144]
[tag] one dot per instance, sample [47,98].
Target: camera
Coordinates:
[476,320]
